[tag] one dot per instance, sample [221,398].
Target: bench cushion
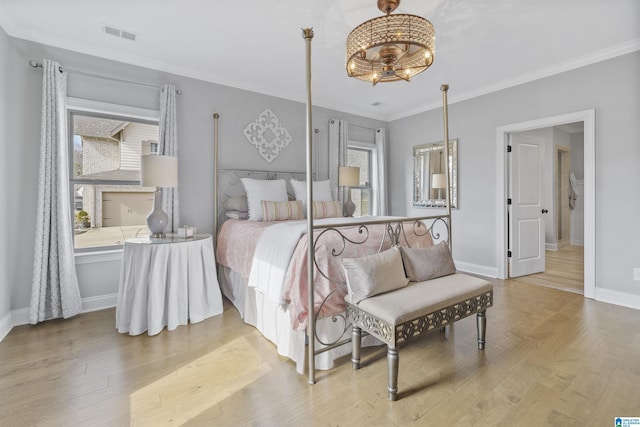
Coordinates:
[421,298]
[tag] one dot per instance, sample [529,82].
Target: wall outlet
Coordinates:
[636,274]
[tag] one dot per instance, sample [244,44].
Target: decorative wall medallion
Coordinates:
[268,135]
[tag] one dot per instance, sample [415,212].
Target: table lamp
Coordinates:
[438,182]
[158,171]
[349,176]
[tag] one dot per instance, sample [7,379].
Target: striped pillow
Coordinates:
[327,209]
[281,211]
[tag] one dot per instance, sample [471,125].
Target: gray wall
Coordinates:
[196,106]
[474,123]
[577,154]
[5,247]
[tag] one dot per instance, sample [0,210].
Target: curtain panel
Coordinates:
[380,206]
[168,146]
[54,292]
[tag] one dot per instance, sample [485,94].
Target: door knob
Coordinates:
[545,211]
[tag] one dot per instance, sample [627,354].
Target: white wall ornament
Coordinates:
[268,135]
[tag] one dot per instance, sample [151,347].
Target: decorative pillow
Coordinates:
[374,274]
[327,209]
[281,211]
[321,190]
[258,190]
[237,214]
[427,263]
[238,203]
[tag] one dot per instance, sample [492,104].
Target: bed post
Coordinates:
[216,116]
[445,115]
[307,34]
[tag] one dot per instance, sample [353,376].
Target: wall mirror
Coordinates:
[428,174]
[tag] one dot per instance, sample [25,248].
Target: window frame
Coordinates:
[89,108]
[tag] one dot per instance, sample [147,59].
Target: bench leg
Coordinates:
[392,366]
[481,321]
[356,337]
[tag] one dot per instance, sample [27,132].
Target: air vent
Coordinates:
[113,31]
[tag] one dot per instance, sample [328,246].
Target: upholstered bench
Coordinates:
[397,315]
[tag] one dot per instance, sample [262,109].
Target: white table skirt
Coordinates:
[166,283]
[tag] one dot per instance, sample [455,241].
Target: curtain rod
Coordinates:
[36,64]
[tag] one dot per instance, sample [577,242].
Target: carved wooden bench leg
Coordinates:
[392,366]
[481,322]
[356,337]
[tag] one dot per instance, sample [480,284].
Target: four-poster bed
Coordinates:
[314,277]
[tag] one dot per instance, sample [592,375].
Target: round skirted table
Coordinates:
[167,282]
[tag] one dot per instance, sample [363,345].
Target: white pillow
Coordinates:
[374,274]
[321,190]
[237,214]
[259,189]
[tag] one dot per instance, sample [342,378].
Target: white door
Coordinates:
[526,212]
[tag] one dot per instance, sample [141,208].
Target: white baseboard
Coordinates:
[99,303]
[624,299]
[6,324]
[481,270]
[21,316]
[577,242]
[551,246]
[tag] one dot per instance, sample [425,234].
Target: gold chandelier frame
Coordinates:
[391,47]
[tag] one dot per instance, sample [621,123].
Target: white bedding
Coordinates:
[272,256]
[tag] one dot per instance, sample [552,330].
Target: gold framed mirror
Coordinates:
[428,175]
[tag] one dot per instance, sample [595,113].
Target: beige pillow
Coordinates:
[427,263]
[327,209]
[281,211]
[374,274]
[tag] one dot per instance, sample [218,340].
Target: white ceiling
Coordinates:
[481,45]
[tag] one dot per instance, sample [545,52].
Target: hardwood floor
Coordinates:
[564,270]
[552,358]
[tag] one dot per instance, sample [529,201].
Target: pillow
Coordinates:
[237,214]
[327,209]
[427,263]
[374,274]
[259,189]
[238,203]
[281,211]
[321,190]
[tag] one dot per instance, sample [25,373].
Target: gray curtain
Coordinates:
[380,205]
[54,291]
[338,139]
[168,146]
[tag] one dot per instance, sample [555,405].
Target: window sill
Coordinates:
[98,256]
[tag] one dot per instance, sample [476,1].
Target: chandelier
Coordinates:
[391,47]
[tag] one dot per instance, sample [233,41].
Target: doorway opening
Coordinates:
[587,118]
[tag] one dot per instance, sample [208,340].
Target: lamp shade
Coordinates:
[438,180]
[349,176]
[158,171]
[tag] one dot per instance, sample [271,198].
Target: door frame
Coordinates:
[502,140]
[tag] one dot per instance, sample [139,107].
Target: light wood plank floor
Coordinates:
[552,358]
[564,270]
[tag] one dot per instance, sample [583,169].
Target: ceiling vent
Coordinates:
[113,31]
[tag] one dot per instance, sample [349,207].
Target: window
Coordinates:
[108,203]
[362,157]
